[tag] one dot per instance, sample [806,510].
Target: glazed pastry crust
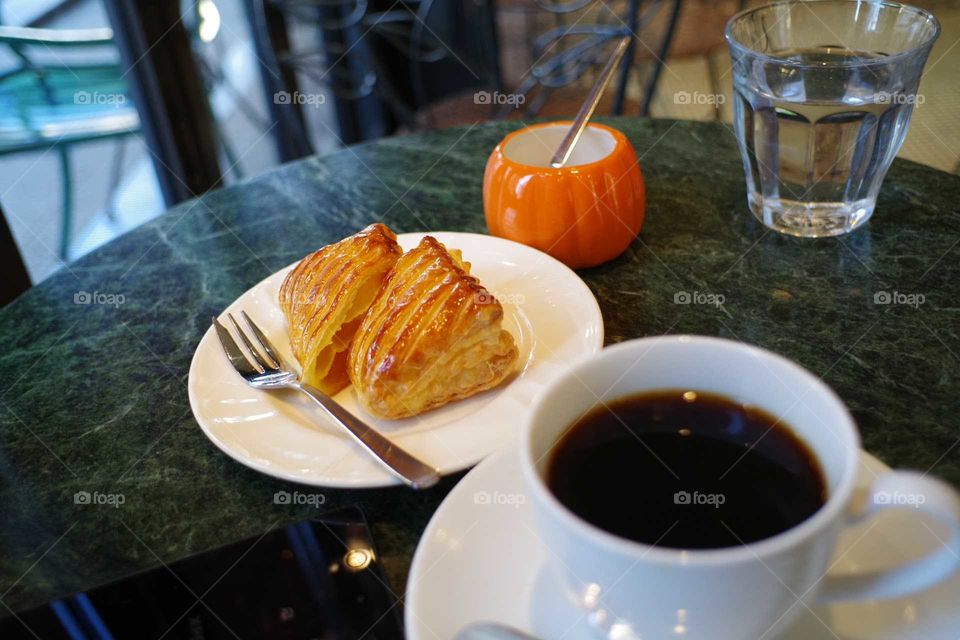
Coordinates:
[433,335]
[325,297]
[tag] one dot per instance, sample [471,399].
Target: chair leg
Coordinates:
[116,172]
[67,213]
[234,162]
[628,60]
[651,88]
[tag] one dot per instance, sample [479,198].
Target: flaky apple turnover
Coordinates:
[433,335]
[325,297]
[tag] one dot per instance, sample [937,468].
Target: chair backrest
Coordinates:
[440,49]
[23,36]
[581,41]
[381,61]
[40,82]
[43,71]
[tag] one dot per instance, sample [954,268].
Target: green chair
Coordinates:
[51,101]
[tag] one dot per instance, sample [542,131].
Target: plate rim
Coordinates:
[387,480]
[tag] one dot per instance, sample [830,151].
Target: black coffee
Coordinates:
[686,470]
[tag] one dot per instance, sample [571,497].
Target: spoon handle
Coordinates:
[492,631]
[589,105]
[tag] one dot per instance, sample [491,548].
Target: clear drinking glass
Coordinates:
[823,92]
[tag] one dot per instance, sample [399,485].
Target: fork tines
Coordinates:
[262,358]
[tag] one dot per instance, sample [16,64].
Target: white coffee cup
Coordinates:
[637,591]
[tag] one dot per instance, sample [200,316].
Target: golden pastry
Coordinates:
[325,297]
[433,335]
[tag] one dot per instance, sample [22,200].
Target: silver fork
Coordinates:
[266,369]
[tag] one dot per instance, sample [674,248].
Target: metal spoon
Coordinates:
[589,106]
[492,631]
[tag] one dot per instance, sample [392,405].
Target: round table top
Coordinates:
[94,398]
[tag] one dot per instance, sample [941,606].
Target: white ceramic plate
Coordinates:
[551,313]
[480,560]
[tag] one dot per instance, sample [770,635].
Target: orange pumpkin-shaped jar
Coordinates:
[584,213]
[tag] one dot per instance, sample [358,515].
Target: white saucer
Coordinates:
[481,560]
[551,313]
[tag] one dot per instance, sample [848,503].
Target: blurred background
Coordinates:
[113,110]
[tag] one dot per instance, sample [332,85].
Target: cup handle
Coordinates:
[899,490]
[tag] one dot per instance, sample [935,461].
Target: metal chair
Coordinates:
[382,62]
[53,105]
[384,66]
[579,43]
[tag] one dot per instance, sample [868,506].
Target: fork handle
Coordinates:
[399,462]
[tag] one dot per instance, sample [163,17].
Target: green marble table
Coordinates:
[93,396]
